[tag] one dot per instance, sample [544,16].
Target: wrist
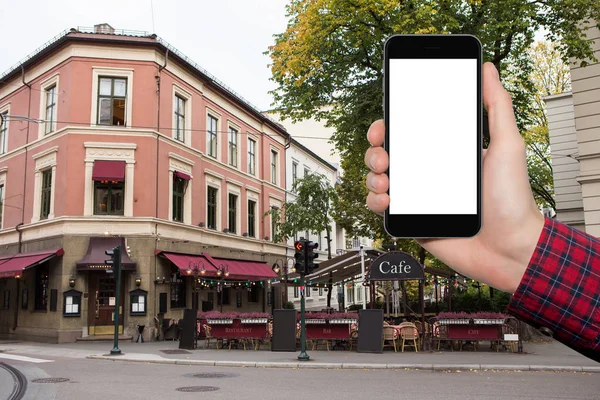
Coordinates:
[526,245]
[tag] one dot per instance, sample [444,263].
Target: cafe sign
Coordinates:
[395,266]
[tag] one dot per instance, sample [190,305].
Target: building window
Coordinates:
[3,132]
[112,99]
[296,292]
[233,150]
[350,295]
[108,198]
[306,171]
[251,218]
[224,294]
[252,157]
[179,118]
[1,203]
[46,192]
[6,302]
[178,194]
[320,291]
[294,174]
[274,216]
[307,290]
[177,291]
[254,294]
[211,136]
[41,287]
[211,207]
[50,108]
[273,167]
[359,295]
[232,213]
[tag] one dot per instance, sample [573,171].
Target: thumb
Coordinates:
[497,102]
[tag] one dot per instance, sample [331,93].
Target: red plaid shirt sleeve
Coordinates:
[561,288]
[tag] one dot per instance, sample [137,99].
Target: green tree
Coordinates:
[549,75]
[309,211]
[332,50]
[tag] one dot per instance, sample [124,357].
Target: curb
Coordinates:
[311,365]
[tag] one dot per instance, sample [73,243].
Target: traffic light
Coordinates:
[310,256]
[299,255]
[115,259]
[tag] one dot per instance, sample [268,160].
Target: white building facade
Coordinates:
[301,161]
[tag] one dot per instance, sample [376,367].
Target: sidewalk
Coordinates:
[537,357]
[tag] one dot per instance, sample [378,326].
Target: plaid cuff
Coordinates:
[560,289]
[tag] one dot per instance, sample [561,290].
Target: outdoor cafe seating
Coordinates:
[334,331]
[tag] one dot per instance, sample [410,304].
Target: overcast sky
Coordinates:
[225,37]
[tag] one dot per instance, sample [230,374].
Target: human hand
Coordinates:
[512,223]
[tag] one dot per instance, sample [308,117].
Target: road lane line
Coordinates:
[23,358]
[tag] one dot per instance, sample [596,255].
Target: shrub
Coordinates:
[288,305]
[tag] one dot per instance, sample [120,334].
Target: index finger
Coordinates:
[376,133]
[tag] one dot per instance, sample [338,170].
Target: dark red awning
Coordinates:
[245,269]
[95,259]
[184,261]
[112,171]
[12,266]
[238,269]
[181,175]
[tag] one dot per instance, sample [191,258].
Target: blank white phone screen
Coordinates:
[433,136]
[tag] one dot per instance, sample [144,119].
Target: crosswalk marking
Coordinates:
[23,358]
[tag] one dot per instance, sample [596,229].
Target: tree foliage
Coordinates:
[328,65]
[549,75]
[310,210]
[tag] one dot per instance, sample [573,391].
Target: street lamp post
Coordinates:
[285,269]
[303,355]
[195,268]
[222,272]
[115,262]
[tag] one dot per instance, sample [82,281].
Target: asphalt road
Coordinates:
[92,379]
[6,383]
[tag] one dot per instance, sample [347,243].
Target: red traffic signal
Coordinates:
[299,246]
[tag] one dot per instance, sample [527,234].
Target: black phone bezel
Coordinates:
[434,47]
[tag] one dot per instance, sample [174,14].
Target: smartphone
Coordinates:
[433,120]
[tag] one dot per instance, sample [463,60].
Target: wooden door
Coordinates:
[102,304]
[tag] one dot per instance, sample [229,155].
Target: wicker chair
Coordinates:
[208,336]
[440,334]
[407,333]
[389,336]
[353,337]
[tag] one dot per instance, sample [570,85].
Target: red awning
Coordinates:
[13,265]
[247,270]
[184,261]
[95,258]
[113,171]
[181,175]
[238,269]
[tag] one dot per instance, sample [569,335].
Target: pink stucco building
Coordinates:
[117,138]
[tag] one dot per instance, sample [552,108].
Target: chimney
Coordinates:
[104,28]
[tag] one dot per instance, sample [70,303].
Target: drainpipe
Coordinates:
[16,321]
[24,190]
[26,146]
[158,122]
[156,295]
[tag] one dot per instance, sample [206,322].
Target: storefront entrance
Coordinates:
[102,303]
